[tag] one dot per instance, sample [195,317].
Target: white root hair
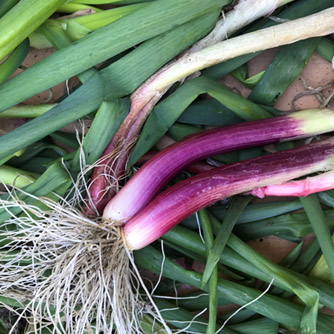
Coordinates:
[67,271]
[71,274]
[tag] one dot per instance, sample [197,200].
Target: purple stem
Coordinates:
[186,197]
[151,178]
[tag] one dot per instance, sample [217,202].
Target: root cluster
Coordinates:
[69,273]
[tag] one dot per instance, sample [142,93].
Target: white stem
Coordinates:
[318,24]
[245,12]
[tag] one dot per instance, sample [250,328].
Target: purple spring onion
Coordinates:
[202,190]
[151,178]
[305,187]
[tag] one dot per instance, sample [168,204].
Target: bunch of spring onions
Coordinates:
[70,240]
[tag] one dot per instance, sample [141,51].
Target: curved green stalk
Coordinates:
[321,270]
[254,264]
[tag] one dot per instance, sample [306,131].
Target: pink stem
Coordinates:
[310,185]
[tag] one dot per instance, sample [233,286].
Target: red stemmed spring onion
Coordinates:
[149,180]
[202,190]
[147,95]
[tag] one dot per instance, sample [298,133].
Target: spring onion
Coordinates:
[146,183]
[187,197]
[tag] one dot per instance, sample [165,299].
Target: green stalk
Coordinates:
[327,197]
[287,313]
[6,5]
[28,111]
[105,123]
[76,28]
[242,75]
[326,49]
[289,281]
[208,112]
[213,281]
[58,38]
[238,204]
[14,176]
[259,211]
[321,270]
[103,18]
[52,30]
[318,221]
[252,213]
[13,61]
[102,44]
[292,257]
[258,267]
[287,261]
[291,226]
[103,2]
[112,82]
[54,177]
[308,257]
[258,326]
[282,71]
[17,24]
[8,157]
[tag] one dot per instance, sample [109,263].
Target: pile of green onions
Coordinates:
[71,238]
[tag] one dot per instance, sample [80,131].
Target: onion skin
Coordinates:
[186,197]
[155,174]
